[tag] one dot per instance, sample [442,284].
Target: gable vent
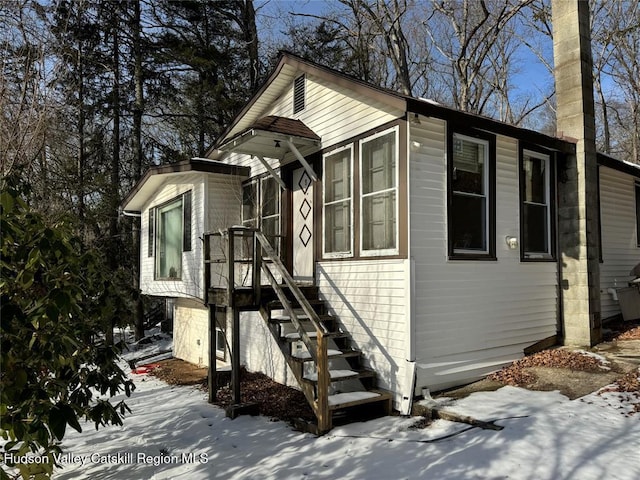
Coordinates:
[298,94]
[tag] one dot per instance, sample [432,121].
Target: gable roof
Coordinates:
[290,66]
[153,178]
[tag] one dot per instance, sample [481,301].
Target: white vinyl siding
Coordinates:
[333,112]
[619,236]
[470,317]
[370,299]
[189,283]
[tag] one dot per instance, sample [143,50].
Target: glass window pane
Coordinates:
[220,341]
[536,234]
[338,227]
[468,166]
[338,176]
[270,197]
[469,220]
[379,163]
[270,229]
[379,221]
[249,203]
[170,241]
[535,187]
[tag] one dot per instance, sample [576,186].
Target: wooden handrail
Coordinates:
[319,353]
[260,244]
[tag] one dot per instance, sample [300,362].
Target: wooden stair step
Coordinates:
[277,304]
[287,318]
[295,336]
[341,375]
[331,353]
[350,399]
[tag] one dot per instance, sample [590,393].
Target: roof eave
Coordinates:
[134,200]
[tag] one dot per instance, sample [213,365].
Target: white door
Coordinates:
[302,226]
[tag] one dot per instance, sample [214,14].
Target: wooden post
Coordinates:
[207,265]
[257,269]
[324,379]
[231,282]
[235,357]
[212,379]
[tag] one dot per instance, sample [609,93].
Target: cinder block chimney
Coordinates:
[578,175]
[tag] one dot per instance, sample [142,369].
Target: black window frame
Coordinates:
[637,192]
[490,224]
[552,194]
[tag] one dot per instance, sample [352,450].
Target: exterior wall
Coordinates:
[470,317]
[191,332]
[370,299]
[259,352]
[619,243]
[333,112]
[216,204]
[191,283]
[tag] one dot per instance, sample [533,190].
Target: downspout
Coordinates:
[128,213]
[410,348]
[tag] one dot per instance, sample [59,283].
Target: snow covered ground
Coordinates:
[173,433]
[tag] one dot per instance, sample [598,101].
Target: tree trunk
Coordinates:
[138,109]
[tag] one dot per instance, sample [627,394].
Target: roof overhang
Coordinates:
[629,168]
[269,137]
[432,109]
[290,66]
[156,176]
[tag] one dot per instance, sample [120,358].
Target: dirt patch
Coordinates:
[574,374]
[179,372]
[274,400]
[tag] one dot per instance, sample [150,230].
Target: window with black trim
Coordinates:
[172,224]
[378,194]
[536,213]
[337,203]
[471,195]
[637,188]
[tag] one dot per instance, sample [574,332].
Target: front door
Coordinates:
[302,232]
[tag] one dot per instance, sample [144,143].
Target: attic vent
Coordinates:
[298,94]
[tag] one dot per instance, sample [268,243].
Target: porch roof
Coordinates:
[155,176]
[269,137]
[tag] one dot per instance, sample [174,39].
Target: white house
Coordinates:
[431,236]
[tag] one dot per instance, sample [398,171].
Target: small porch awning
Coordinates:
[285,139]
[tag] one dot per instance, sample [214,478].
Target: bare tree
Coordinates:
[475,46]
[25,99]
[616,38]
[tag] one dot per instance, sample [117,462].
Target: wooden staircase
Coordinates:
[349,387]
[317,349]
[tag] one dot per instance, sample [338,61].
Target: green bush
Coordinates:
[57,300]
